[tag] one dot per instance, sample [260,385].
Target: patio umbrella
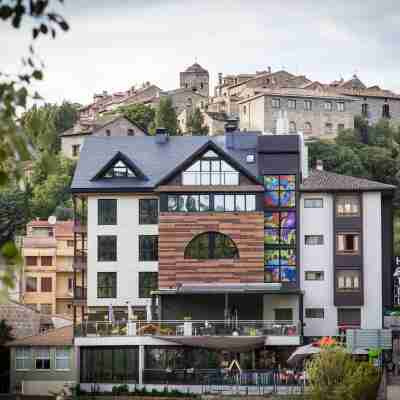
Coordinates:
[301,353]
[110,313]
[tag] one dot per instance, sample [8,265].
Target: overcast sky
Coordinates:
[115,44]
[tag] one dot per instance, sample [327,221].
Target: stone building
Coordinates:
[197,79]
[110,125]
[307,111]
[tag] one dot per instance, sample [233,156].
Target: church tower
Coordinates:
[197,79]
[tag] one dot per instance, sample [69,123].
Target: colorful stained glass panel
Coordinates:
[287,182]
[271,236]
[271,257]
[288,273]
[288,237]
[288,257]
[271,199]
[288,219]
[272,274]
[271,182]
[287,199]
[271,219]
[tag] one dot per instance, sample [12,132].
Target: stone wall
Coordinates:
[119,127]
[176,230]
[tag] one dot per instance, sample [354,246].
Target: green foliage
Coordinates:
[66,115]
[166,117]
[140,114]
[5,332]
[334,375]
[195,123]
[122,389]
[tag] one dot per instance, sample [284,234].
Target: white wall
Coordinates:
[371,315]
[127,265]
[67,142]
[276,301]
[318,294]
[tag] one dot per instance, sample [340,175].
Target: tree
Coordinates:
[334,375]
[5,332]
[14,89]
[166,116]
[195,123]
[140,114]
[66,115]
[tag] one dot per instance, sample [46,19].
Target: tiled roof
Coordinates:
[196,68]
[56,337]
[330,181]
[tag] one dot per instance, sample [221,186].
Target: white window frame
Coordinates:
[306,274]
[314,238]
[309,202]
[63,357]
[25,357]
[38,350]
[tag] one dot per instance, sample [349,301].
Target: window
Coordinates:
[210,170]
[307,105]
[313,203]
[349,317]
[314,275]
[347,243]
[280,191]
[211,245]
[148,281]
[46,309]
[108,132]
[364,109]
[328,128]
[234,202]
[313,240]
[308,128]
[42,358]
[328,106]
[46,261]
[23,356]
[106,285]
[340,127]
[46,284]
[283,314]
[148,248]
[385,111]
[276,103]
[292,104]
[31,261]
[348,280]
[189,203]
[75,150]
[280,228]
[340,106]
[107,248]
[42,232]
[148,211]
[130,132]
[107,211]
[70,283]
[314,313]
[244,110]
[70,243]
[120,170]
[348,206]
[31,284]
[292,127]
[62,358]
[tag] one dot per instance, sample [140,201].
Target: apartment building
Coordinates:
[205,251]
[48,251]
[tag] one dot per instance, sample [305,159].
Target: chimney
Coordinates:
[319,165]
[161,136]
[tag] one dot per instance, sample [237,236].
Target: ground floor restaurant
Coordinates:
[180,365]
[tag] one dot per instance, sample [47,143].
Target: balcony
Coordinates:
[191,328]
[80,260]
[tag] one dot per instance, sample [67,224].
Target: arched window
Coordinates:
[292,127]
[307,128]
[244,110]
[211,246]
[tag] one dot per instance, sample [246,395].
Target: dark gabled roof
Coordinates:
[102,123]
[156,161]
[139,175]
[324,181]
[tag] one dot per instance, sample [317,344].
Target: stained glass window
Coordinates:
[280,229]
[280,191]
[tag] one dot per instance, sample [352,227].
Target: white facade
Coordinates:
[320,293]
[127,265]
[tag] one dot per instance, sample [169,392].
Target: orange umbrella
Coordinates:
[326,341]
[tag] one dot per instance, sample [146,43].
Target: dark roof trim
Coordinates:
[76,134]
[210,145]
[129,163]
[136,190]
[329,190]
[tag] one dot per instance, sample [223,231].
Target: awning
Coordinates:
[231,343]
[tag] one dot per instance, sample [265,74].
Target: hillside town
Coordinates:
[238,235]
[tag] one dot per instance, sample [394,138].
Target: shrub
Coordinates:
[334,375]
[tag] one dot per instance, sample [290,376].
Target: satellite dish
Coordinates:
[52,220]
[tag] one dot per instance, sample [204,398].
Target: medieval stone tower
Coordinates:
[197,79]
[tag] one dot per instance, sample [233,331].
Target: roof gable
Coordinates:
[207,147]
[120,160]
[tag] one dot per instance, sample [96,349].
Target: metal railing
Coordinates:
[189,328]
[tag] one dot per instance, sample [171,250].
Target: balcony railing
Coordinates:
[80,293]
[80,260]
[189,328]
